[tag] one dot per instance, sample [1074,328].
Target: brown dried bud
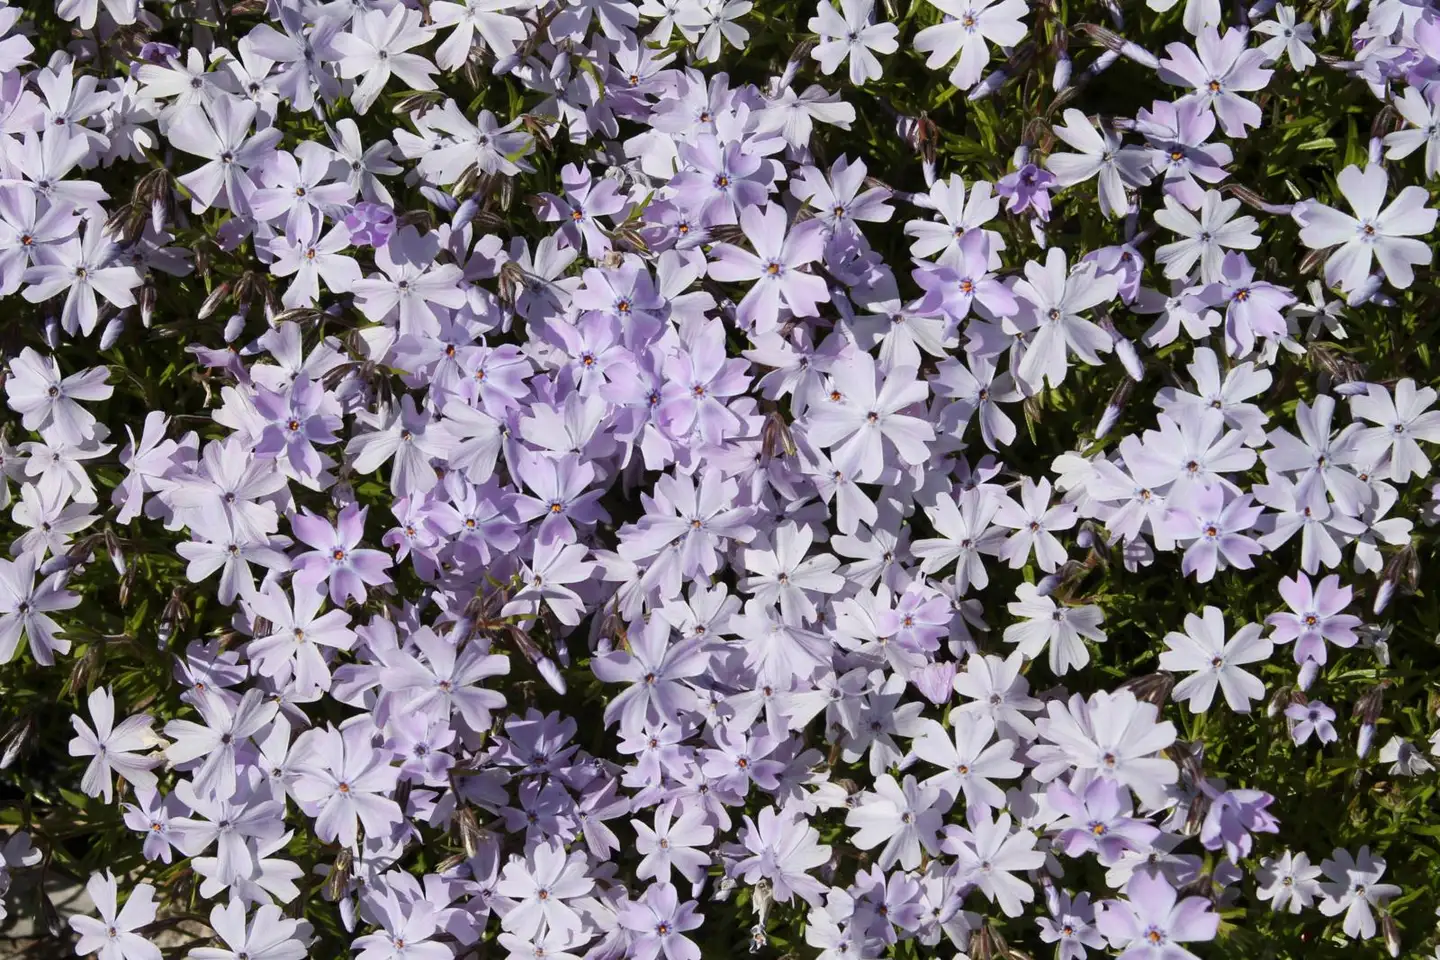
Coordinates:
[339,877]
[418,103]
[469,831]
[1152,688]
[213,301]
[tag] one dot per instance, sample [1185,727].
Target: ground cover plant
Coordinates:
[678,478]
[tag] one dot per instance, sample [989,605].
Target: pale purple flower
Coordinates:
[783,849]
[1217,529]
[657,923]
[1233,816]
[1150,924]
[25,610]
[1311,718]
[371,224]
[1098,820]
[1071,926]
[780,251]
[1314,618]
[338,558]
[1218,70]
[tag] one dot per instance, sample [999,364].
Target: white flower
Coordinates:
[1051,301]
[1206,238]
[1423,115]
[1202,648]
[1287,36]
[975,22]
[1404,758]
[905,818]
[112,749]
[1353,889]
[1289,882]
[708,21]
[1371,234]
[1058,627]
[80,268]
[375,48]
[854,36]
[1032,519]
[113,936]
[1100,154]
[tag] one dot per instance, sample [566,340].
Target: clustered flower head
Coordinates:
[498,481]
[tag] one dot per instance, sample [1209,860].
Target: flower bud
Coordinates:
[1152,688]
[988,85]
[1391,930]
[52,332]
[1309,670]
[111,334]
[1365,740]
[1061,78]
[552,675]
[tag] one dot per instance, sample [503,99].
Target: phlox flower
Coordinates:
[1387,235]
[1211,660]
[338,558]
[780,251]
[1152,922]
[1062,629]
[1353,888]
[968,31]
[112,749]
[850,35]
[113,936]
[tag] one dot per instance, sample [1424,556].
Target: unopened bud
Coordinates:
[52,333]
[988,86]
[1391,930]
[1309,670]
[111,334]
[213,301]
[1365,741]
[1061,78]
[552,674]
